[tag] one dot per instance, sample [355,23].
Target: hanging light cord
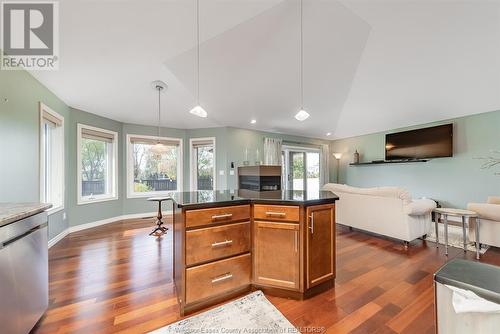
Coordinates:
[301,61]
[159,111]
[198,52]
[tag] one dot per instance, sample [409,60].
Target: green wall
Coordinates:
[20,94]
[452,181]
[19,143]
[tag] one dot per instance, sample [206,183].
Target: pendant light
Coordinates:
[159,148]
[198,110]
[302,115]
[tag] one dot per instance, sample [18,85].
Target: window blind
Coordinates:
[153,141]
[48,117]
[203,143]
[97,135]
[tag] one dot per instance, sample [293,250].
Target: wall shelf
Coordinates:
[370,163]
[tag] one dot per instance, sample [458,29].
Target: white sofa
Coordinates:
[388,211]
[489,226]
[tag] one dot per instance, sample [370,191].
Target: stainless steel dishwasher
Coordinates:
[23,273]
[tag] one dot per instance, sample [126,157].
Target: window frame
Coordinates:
[286,149]
[81,200]
[130,167]
[193,171]
[43,108]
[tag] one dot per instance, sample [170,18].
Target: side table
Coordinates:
[159,230]
[465,215]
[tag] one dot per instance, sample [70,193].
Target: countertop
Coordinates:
[11,212]
[208,198]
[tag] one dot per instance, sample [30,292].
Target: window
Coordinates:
[302,168]
[51,158]
[97,164]
[202,164]
[153,172]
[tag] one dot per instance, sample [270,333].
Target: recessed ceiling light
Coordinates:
[253,121]
[328,133]
[302,115]
[199,111]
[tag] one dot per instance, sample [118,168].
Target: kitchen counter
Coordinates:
[228,242]
[11,212]
[208,198]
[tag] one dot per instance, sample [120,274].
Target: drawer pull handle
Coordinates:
[222,243]
[272,213]
[222,278]
[312,223]
[225,215]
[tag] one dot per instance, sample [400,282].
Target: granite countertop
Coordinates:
[207,198]
[11,212]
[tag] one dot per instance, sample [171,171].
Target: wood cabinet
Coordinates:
[208,244]
[276,254]
[217,277]
[276,212]
[320,244]
[223,251]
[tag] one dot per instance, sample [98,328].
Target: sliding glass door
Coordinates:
[301,169]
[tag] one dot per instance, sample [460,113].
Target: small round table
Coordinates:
[465,215]
[159,229]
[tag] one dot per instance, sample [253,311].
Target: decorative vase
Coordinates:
[356,157]
[245,161]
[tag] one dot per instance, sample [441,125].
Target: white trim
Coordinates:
[43,108]
[52,211]
[100,198]
[191,162]
[86,226]
[58,237]
[130,167]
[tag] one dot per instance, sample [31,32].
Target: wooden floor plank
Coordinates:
[118,279]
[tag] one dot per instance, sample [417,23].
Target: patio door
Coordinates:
[301,169]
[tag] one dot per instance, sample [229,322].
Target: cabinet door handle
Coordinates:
[296,241]
[222,243]
[222,278]
[272,213]
[312,223]
[225,215]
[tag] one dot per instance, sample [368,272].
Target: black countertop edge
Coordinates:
[243,201]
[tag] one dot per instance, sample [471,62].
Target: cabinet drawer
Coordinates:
[276,212]
[212,279]
[213,243]
[217,215]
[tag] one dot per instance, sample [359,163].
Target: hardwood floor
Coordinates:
[118,279]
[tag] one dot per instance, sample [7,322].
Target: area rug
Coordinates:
[250,314]
[455,238]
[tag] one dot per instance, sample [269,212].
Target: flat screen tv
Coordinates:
[426,143]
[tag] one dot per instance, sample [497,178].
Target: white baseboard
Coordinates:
[58,237]
[86,226]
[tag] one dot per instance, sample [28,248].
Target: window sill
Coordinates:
[55,210]
[150,194]
[96,200]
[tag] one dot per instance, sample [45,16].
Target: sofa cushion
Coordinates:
[494,200]
[391,192]
[420,207]
[486,210]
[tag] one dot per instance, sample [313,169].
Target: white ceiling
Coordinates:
[368,65]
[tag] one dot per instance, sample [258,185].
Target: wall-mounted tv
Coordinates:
[426,143]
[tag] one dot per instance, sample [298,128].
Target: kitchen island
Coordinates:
[230,242]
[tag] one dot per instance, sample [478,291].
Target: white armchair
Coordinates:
[489,226]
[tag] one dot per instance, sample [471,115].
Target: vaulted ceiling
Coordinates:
[368,65]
